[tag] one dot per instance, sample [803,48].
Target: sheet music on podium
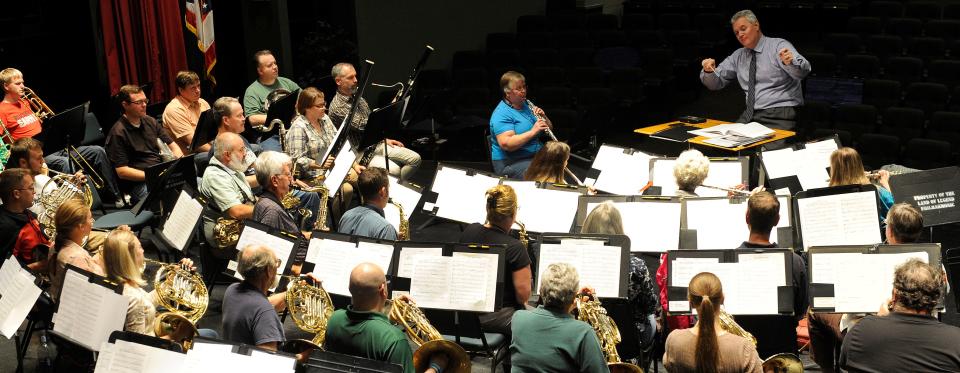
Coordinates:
[597,264]
[462,281]
[89,310]
[719,221]
[612,163]
[406,196]
[129,357]
[750,284]
[182,221]
[544,210]
[724,173]
[839,219]
[859,281]
[18,294]
[808,164]
[460,194]
[254,234]
[652,223]
[334,260]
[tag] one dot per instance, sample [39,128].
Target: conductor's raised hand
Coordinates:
[709,65]
[786,56]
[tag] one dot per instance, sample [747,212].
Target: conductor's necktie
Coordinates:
[752,85]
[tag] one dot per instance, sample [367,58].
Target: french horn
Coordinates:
[183,295]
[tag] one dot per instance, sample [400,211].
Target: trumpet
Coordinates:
[42,111]
[554,138]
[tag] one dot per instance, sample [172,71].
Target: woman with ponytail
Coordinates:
[707,347]
[501,203]
[73,222]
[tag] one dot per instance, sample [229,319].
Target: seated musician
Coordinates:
[20,232]
[368,219]
[182,114]
[122,263]
[846,168]
[905,335]
[515,128]
[644,304]
[904,225]
[223,185]
[707,347]
[20,122]
[548,164]
[309,138]
[132,142]
[774,333]
[403,161]
[690,170]
[364,330]
[273,175]
[255,97]
[501,214]
[549,338]
[74,223]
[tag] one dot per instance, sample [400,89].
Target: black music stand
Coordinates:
[382,124]
[65,130]
[206,129]
[281,111]
[325,361]
[164,179]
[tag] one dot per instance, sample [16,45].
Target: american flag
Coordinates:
[200,12]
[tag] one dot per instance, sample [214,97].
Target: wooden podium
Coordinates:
[699,140]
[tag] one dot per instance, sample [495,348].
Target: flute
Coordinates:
[543,117]
[729,190]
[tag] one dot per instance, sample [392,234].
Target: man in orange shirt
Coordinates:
[181,115]
[20,122]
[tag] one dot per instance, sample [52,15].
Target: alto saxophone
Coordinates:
[730,325]
[522,235]
[403,233]
[591,312]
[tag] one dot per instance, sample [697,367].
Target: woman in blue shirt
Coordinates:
[515,126]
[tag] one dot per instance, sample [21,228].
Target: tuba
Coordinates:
[310,307]
[67,188]
[403,233]
[429,341]
[783,363]
[184,296]
[591,312]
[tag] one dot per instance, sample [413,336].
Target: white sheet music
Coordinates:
[464,281]
[88,312]
[281,247]
[749,287]
[182,220]
[808,164]
[266,362]
[720,223]
[342,166]
[204,357]
[461,197]
[129,357]
[652,226]
[409,255]
[406,197]
[334,260]
[597,265]
[18,294]
[612,161]
[839,219]
[725,174]
[544,210]
[861,282]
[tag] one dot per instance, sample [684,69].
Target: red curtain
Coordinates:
[143,43]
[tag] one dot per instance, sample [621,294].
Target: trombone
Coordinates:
[42,111]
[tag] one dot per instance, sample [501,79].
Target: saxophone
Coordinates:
[522,235]
[403,233]
[591,312]
[731,326]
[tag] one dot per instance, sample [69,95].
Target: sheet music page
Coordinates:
[409,255]
[544,210]
[770,267]
[18,294]
[760,275]
[266,362]
[651,226]
[430,285]
[779,163]
[682,270]
[406,197]
[866,281]
[342,166]
[182,220]
[333,262]
[839,219]
[720,224]
[818,153]
[597,265]
[104,358]
[88,313]
[376,253]
[612,163]
[662,176]
[724,174]
[129,357]
[281,247]
[461,197]
[811,167]
[482,273]
[209,357]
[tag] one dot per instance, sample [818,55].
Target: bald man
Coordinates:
[364,330]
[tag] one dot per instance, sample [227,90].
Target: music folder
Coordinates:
[601,260]
[180,226]
[725,172]
[840,215]
[18,294]
[332,256]
[651,222]
[282,110]
[458,193]
[719,223]
[755,281]
[799,166]
[607,171]
[325,361]
[451,276]
[206,129]
[64,129]
[933,192]
[859,278]
[284,245]
[90,307]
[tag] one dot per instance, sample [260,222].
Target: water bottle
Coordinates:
[45,354]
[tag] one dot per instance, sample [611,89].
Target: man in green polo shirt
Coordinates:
[364,330]
[255,97]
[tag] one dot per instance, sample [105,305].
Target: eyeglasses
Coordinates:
[140,102]
[321,105]
[31,189]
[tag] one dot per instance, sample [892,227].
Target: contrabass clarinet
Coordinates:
[554,138]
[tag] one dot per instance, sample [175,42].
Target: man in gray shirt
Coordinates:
[768,69]
[367,220]
[248,315]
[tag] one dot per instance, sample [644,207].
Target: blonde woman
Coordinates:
[846,168]
[74,223]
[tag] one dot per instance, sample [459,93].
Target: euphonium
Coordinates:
[783,363]
[403,233]
[591,312]
[731,326]
[429,341]
[310,307]
[184,296]
[67,188]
